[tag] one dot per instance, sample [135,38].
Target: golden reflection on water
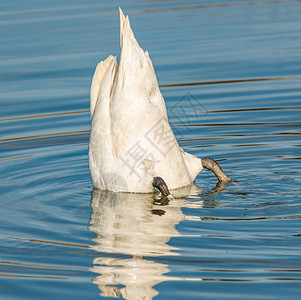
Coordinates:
[174,125]
[227,81]
[254,109]
[216,5]
[50,242]
[45,115]
[43,135]
[16,157]
[33,276]
[181,84]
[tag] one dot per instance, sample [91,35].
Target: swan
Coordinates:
[132,147]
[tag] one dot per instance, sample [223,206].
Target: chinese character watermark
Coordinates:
[186,112]
[138,159]
[161,136]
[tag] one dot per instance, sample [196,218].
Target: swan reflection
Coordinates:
[137,226]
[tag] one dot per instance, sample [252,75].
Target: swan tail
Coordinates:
[136,68]
[125,29]
[122,25]
[101,147]
[96,81]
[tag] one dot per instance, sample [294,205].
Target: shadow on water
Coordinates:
[138,228]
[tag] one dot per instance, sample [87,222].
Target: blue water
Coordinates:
[230,73]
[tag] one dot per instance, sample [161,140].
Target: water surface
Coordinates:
[230,74]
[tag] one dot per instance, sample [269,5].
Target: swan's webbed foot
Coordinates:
[160,184]
[213,166]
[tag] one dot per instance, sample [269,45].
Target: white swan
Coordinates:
[132,147]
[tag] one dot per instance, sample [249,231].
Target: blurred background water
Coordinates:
[230,73]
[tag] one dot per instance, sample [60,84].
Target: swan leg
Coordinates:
[160,184]
[213,166]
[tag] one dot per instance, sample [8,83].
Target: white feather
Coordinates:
[131,140]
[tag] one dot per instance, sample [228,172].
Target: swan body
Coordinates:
[131,141]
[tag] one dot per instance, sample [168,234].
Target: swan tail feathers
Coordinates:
[136,68]
[122,23]
[96,81]
[125,29]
